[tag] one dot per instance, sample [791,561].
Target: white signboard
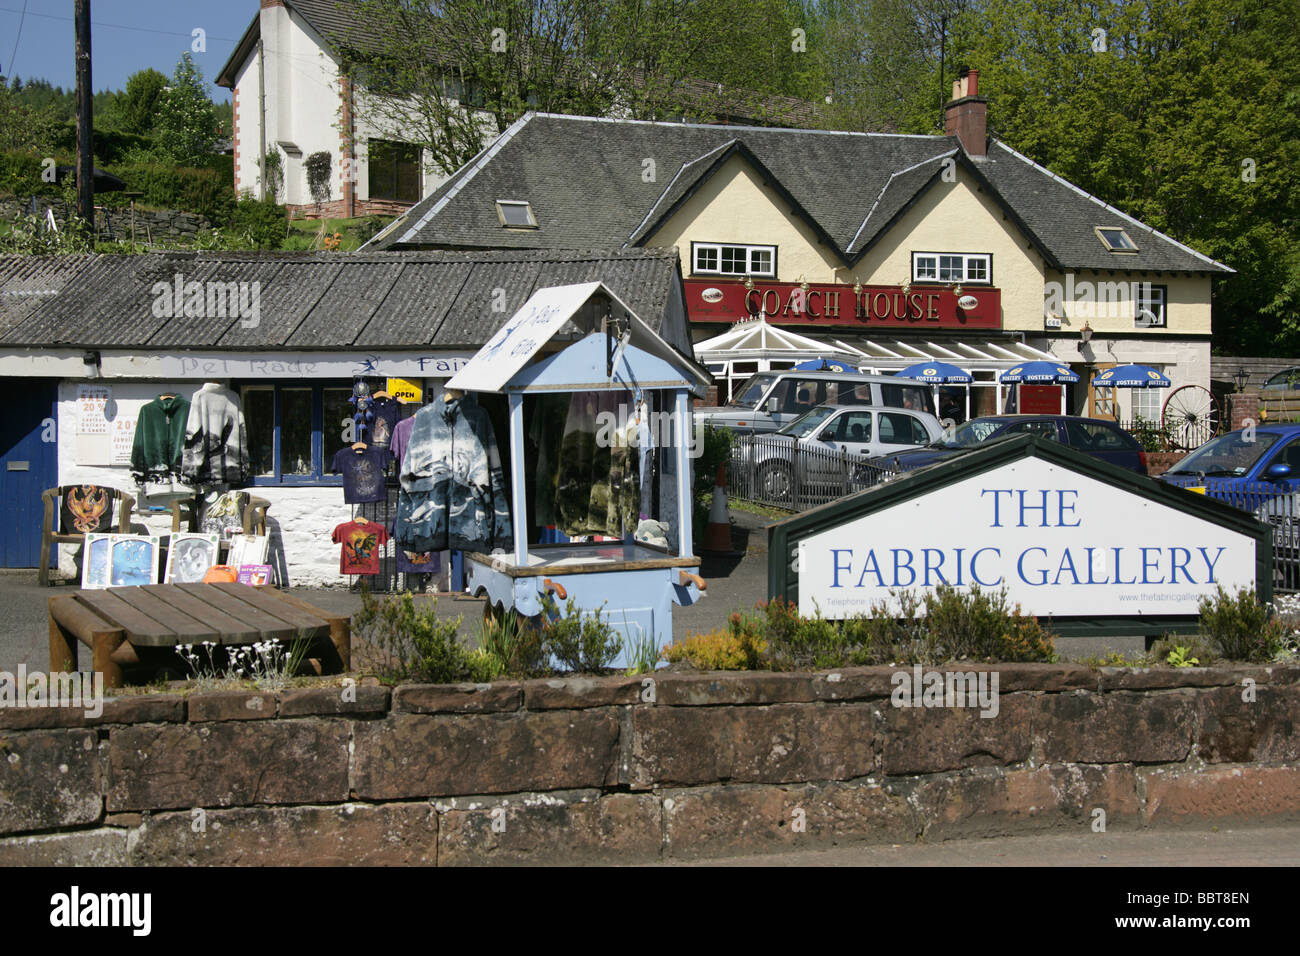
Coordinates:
[1060,542]
[520,339]
[123,440]
[282,364]
[92,409]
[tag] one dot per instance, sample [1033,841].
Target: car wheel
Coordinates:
[774,481]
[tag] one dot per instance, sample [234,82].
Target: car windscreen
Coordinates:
[806,425]
[752,390]
[971,433]
[1225,455]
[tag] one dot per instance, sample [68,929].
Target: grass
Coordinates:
[304,233]
[765,511]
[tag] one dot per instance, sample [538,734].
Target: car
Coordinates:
[1287,380]
[820,448]
[1095,436]
[1246,468]
[771,400]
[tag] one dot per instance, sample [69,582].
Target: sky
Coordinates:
[126,36]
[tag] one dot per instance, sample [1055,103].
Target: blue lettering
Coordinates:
[1090,563]
[899,567]
[835,560]
[1067,561]
[1118,579]
[871,566]
[926,552]
[997,521]
[1175,565]
[1149,565]
[1209,565]
[1024,507]
[974,572]
[1062,508]
[959,580]
[1020,566]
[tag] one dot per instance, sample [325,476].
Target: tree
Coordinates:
[26,127]
[142,101]
[186,124]
[318,177]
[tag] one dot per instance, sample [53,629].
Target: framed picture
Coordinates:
[94,561]
[189,556]
[133,559]
[255,574]
[248,549]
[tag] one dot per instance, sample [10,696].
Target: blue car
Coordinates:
[1245,468]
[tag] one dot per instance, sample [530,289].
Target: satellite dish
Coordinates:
[967,302]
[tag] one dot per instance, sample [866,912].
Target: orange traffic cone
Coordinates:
[718,537]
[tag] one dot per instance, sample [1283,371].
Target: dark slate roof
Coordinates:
[584,179]
[315,301]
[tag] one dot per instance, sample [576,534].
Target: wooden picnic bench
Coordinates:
[116,623]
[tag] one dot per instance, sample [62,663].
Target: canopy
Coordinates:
[1038,373]
[1131,376]
[937,373]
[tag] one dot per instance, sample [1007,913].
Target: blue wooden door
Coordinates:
[29,464]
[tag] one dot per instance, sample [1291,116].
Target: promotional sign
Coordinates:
[404,390]
[1061,543]
[891,307]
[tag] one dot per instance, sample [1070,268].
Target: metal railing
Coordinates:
[1171,436]
[1268,503]
[774,470]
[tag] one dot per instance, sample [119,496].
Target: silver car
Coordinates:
[820,451]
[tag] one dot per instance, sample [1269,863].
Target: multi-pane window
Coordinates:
[715,258]
[394,171]
[1150,306]
[951,267]
[294,430]
[1148,402]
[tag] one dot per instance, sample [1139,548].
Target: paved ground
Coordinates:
[1237,846]
[734,583]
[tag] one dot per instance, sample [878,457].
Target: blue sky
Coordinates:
[126,35]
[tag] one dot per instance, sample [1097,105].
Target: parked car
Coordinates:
[771,400]
[1098,437]
[1245,468]
[1287,380]
[821,448]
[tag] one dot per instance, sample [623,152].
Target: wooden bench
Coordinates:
[116,622]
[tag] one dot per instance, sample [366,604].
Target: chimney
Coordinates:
[966,114]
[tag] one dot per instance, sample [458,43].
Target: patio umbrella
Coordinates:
[1038,373]
[1131,376]
[823,365]
[937,373]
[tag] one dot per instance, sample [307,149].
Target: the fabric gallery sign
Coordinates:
[978,307]
[1060,542]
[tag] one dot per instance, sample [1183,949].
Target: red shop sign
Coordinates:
[921,306]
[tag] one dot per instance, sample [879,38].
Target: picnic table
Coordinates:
[116,623]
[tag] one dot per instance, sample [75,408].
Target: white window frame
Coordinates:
[528,208]
[1129,250]
[933,259]
[750,251]
[1159,293]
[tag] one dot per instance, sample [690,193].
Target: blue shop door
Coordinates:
[29,463]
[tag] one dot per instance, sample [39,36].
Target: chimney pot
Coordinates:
[966,116]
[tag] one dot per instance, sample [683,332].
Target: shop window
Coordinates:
[715,258]
[952,267]
[394,171]
[294,430]
[1115,239]
[1148,403]
[516,214]
[1150,306]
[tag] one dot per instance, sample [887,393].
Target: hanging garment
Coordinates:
[159,440]
[362,543]
[453,488]
[363,473]
[401,438]
[412,562]
[546,433]
[387,412]
[216,444]
[224,514]
[595,491]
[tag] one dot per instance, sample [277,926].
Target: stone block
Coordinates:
[458,698]
[1118,727]
[576,693]
[231,705]
[1222,793]
[329,701]
[937,739]
[104,847]
[49,779]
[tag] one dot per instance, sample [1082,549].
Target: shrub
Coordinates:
[317,166]
[1183,651]
[981,625]
[582,643]
[881,638]
[737,648]
[414,643]
[1240,628]
[262,221]
[513,645]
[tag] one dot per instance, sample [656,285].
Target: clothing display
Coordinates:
[363,473]
[453,487]
[386,412]
[596,483]
[159,440]
[362,543]
[401,438]
[85,509]
[546,433]
[224,514]
[216,443]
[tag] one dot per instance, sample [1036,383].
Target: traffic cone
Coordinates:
[718,537]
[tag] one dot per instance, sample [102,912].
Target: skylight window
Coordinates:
[516,214]
[1115,239]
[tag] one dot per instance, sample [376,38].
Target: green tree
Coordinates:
[24,126]
[142,101]
[186,123]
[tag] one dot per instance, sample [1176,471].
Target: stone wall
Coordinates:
[637,769]
[150,225]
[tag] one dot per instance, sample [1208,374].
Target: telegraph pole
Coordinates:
[85,101]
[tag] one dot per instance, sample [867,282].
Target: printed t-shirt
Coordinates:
[362,542]
[363,473]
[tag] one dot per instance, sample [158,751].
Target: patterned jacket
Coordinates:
[216,446]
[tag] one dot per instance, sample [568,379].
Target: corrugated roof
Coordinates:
[586,178]
[310,301]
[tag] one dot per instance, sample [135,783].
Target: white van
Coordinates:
[772,399]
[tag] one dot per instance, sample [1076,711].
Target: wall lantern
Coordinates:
[1085,333]
[91,361]
[1242,377]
